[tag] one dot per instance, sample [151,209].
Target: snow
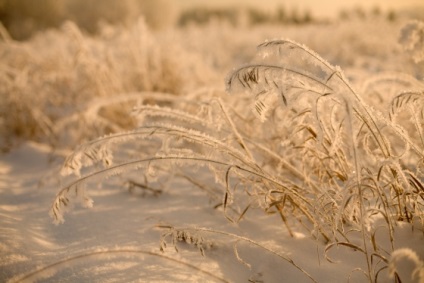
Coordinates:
[127,235]
[118,239]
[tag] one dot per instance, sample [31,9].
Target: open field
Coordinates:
[214,153]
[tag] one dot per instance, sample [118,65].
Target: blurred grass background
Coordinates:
[60,57]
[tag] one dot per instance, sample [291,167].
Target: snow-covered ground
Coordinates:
[178,234]
[118,239]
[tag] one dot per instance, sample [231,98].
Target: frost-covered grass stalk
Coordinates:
[191,236]
[99,254]
[405,254]
[311,151]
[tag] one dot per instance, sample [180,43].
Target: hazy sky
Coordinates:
[320,8]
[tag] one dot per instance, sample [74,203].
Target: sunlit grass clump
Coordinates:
[293,138]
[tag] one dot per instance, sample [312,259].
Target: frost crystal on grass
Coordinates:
[312,151]
[406,254]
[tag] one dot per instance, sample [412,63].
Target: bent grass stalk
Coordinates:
[36,274]
[244,239]
[332,167]
[61,198]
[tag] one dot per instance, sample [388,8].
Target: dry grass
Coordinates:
[294,138]
[317,154]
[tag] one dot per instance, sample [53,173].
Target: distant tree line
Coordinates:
[281,15]
[244,16]
[362,14]
[22,18]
